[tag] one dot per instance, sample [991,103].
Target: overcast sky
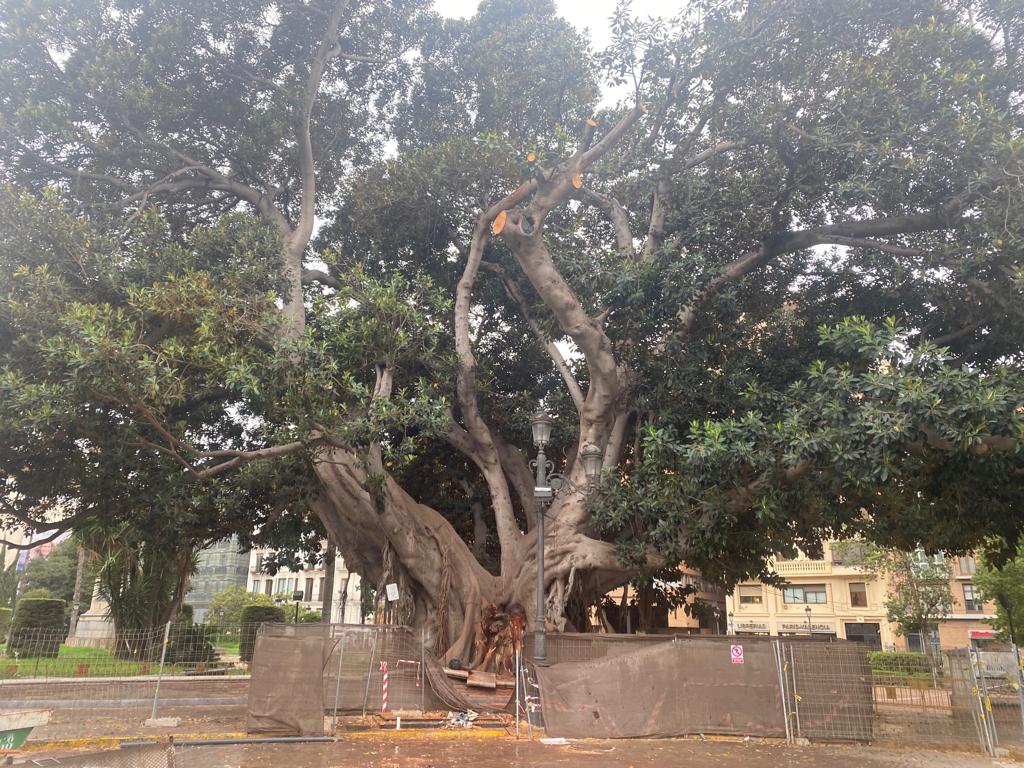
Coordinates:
[592,15]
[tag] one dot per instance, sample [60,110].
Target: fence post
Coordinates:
[796,696]
[337,683]
[1020,683]
[423,670]
[984,731]
[990,719]
[160,674]
[780,676]
[369,670]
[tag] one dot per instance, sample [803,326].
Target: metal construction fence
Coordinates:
[826,691]
[342,668]
[830,691]
[178,663]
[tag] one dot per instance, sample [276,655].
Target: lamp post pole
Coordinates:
[542,493]
[807,610]
[547,483]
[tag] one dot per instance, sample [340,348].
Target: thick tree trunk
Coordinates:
[386,535]
[76,595]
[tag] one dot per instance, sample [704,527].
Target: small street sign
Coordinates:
[736,654]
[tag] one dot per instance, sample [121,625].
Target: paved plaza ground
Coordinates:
[76,731]
[428,751]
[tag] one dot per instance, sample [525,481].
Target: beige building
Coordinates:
[967,624]
[821,598]
[826,598]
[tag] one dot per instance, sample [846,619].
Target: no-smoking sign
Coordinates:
[736,654]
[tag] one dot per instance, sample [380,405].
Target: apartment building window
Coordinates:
[256,586]
[308,593]
[320,588]
[751,595]
[808,593]
[920,559]
[972,604]
[268,587]
[967,565]
[858,595]
[259,563]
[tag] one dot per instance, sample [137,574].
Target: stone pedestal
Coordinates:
[95,629]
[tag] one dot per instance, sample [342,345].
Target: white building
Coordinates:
[311,582]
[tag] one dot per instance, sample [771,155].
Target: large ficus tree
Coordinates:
[779,287]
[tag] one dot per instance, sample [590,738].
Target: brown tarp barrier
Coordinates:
[672,688]
[286,689]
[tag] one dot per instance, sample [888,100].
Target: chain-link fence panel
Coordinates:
[188,664]
[149,756]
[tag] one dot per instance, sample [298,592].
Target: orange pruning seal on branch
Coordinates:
[577,180]
[530,157]
[591,122]
[499,223]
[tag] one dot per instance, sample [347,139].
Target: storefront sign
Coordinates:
[801,626]
[981,634]
[751,626]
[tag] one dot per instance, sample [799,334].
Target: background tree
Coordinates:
[788,270]
[225,609]
[55,572]
[1004,586]
[918,592]
[143,580]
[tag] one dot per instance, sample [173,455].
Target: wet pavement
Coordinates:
[443,750]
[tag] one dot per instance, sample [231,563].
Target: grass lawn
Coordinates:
[91,662]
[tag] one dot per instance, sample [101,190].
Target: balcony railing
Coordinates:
[803,567]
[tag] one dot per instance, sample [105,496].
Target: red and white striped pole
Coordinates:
[384,688]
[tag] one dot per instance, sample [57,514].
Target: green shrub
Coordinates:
[225,609]
[5,622]
[189,643]
[186,613]
[911,663]
[252,617]
[36,593]
[37,628]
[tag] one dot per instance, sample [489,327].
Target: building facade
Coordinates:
[311,582]
[221,565]
[967,624]
[821,598]
[828,598]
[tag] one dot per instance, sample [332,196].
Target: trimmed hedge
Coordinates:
[900,663]
[189,643]
[6,615]
[37,628]
[252,617]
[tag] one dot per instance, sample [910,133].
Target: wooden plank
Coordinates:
[482,680]
[461,674]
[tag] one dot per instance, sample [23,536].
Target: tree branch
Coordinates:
[945,216]
[485,454]
[616,214]
[203,472]
[512,289]
[310,276]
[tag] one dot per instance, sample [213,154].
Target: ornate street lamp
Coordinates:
[807,610]
[548,484]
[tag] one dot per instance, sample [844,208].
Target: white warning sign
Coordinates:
[736,654]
